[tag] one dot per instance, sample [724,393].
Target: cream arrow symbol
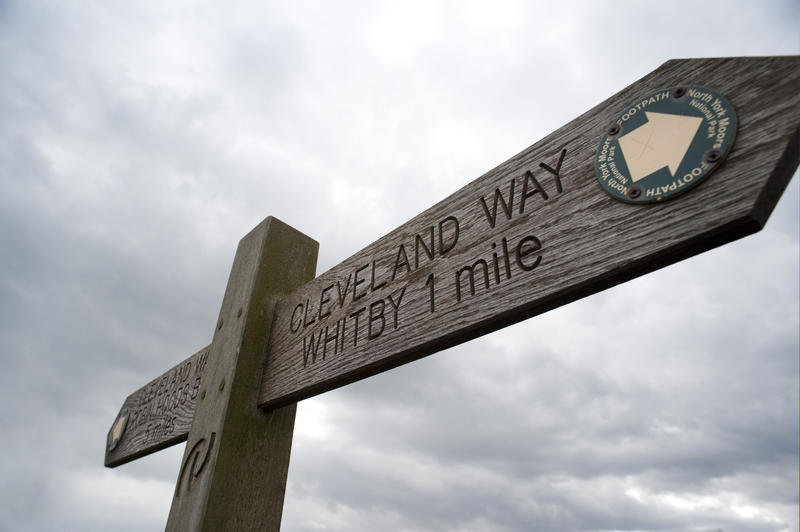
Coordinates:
[662,141]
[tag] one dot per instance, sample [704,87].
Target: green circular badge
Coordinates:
[665,144]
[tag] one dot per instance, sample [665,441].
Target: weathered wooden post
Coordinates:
[610,196]
[233,473]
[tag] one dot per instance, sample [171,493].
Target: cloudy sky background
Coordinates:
[139,141]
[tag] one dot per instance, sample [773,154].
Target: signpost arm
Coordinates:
[158,414]
[233,472]
[539,231]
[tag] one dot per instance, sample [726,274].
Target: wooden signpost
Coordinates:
[536,232]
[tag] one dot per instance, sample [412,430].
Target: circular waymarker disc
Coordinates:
[665,144]
[117,430]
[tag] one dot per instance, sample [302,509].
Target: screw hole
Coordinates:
[634,192]
[712,156]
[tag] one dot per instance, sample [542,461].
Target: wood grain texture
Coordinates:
[161,412]
[233,472]
[576,242]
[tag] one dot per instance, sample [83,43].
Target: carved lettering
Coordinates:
[371,314]
[428,249]
[372,284]
[498,197]
[306,323]
[537,189]
[333,337]
[445,246]
[357,282]
[396,304]
[465,277]
[530,187]
[198,464]
[470,271]
[342,293]
[523,252]
[375,315]
[557,171]
[154,405]
[323,300]
[311,348]
[431,296]
[398,263]
[355,315]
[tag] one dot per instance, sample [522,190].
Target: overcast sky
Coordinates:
[139,141]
